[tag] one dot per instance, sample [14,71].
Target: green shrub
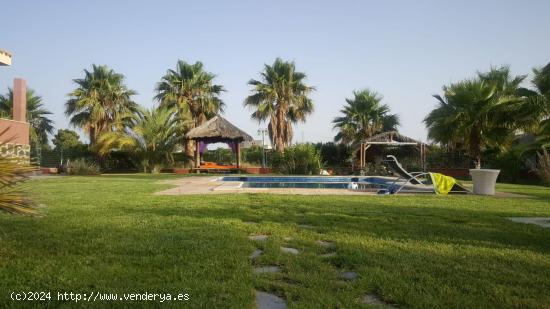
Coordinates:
[219,155]
[303,159]
[252,155]
[82,167]
[335,155]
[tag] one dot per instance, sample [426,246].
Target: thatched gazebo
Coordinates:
[391,138]
[217,130]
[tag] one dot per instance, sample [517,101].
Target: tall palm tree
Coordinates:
[475,113]
[362,117]
[151,139]
[101,102]
[537,105]
[282,97]
[37,115]
[502,79]
[192,92]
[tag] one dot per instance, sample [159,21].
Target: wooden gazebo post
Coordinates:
[197,154]
[238,150]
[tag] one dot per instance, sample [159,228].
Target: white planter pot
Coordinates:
[484,181]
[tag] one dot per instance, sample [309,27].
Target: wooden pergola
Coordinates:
[217,130]
[392,138]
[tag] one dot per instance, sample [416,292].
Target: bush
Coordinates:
[303,159]
[82,167]
[252,155]
[336,156]
[543,167]
[220,155]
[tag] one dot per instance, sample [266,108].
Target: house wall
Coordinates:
[14,134]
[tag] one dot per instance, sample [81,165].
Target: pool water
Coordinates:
[307,185]
[309,182]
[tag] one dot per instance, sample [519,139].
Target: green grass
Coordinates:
[110,234]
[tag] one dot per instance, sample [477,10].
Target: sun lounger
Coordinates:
[440,184]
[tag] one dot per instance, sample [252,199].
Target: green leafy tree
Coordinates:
[281,96]
[362,117]
[100,103]
[151,139]
[537,105]
[67,140]
[37,116]
[191,91]
[475,113]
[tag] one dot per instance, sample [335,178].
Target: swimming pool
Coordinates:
[310,182]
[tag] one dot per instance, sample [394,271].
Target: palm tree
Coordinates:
[362,117]
[101,102]
[192,92]
[151,139]
[475,113]
[282,97]
[37,116]
[537,105]
[505,83]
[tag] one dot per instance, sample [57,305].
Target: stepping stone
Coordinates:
[306,226]
[327,255]
[348,275]
[325,243]
[269,301]
[250,222]
[540,221]
[258,237]
[256,253]
[371,299]
[290,250]
[287,238]
[267,269]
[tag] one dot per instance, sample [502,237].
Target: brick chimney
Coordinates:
[19,100]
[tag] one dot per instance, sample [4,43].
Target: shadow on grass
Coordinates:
[448,225]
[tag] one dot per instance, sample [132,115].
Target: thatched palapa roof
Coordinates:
[218,129]
[391,137]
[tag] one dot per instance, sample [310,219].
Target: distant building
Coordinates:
[14,133]
[5,58]
[258,142]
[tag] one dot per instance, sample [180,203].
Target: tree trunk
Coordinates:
[475,148]
[189,147]
[279,139]
[92,136]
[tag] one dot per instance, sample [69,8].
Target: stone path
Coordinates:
[258,237]
[325,243]
[540,221]
[267,269]
[290,250]
[269,301]
[266,300]
[256,253]
[349,275]
[371,299]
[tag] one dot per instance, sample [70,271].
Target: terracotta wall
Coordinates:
[14,132]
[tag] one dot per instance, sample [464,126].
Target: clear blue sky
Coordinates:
[405,50]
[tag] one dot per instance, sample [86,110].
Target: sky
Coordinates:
[404,50]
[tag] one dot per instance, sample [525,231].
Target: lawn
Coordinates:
[110,234]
